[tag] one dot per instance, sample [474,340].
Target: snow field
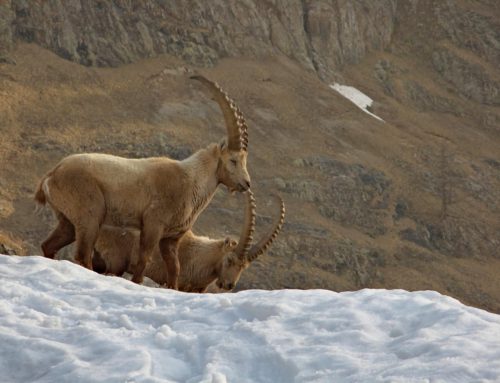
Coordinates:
[62,323]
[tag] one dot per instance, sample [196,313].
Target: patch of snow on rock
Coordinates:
[357,97]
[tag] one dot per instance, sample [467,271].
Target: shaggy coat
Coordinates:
[203,260]
[160,197]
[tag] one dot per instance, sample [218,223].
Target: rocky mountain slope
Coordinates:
[412,202]
[320,35]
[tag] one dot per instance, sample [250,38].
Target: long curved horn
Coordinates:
[266,241]
[243,129]
[237,135]
[246,235]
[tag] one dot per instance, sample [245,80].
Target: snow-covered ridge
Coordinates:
[62,323]
[357,97]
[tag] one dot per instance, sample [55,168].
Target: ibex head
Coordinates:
[229,245]
[240,258]
[232,170]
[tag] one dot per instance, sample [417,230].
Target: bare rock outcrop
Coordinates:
[320,34]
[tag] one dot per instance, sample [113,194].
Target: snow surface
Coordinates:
[62,323]
[357,97]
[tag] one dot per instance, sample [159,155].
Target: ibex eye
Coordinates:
[234,162]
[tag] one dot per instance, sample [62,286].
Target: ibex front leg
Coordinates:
[169,252]
[150,237]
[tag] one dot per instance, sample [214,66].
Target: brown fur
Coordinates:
[160,197]
[200,257]
[40,196]
[203,261]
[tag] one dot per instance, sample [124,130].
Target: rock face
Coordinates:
[320,34]
[472,80]
[460,40]
[6,20]
[346,193]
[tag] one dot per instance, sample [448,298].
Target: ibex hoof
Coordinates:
[137,279]
[172,286]
[87,265]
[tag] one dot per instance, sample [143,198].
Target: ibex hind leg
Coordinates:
[61,236]
[87,220]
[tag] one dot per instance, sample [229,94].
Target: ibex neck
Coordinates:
[199,269]
[201,167]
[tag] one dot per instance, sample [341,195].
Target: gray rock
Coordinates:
[471,80]
[315,33]
[400,210]
[349,194]
[7,16]
[7,60]
[384,72]
[424,100]
[474,31]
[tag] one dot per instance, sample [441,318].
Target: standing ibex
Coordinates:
[202,260]
[159,196]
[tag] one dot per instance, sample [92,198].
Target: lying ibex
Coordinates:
[159,196]
[203,260]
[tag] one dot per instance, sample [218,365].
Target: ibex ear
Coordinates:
[223,144]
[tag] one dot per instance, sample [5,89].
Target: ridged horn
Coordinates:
[267,240]
[243,129]
[237,135]
[246,235]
